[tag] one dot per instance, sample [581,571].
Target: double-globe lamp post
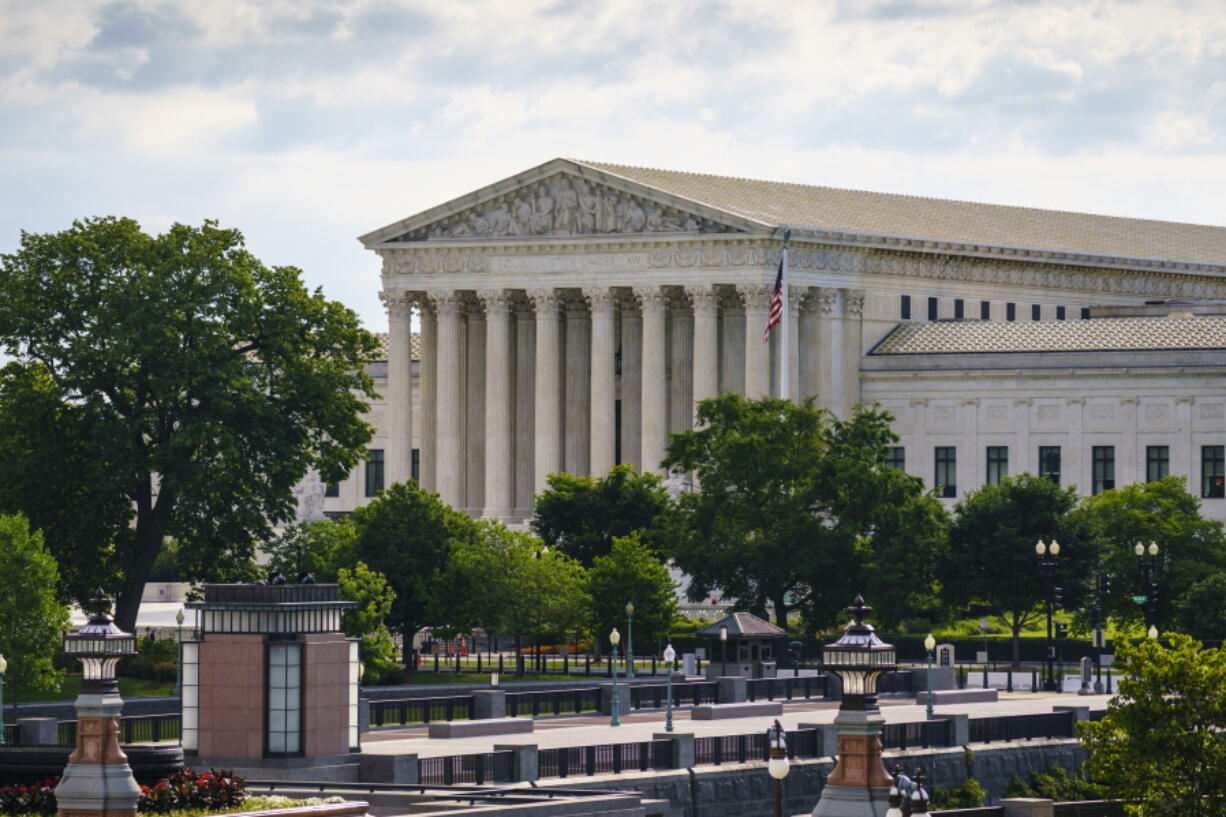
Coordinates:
[1149,587]
[1049,559]
[179,655]
[930,644]
[723,649]
[4,665]
[777,765]
[629,639]
[670,655]
[614,638]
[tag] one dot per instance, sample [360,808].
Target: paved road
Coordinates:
[587,730]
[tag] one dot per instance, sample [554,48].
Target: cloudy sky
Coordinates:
[308,122]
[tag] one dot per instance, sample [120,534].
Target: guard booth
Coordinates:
[742,644]
[272,675]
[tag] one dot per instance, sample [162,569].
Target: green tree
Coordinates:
[191,385]
[368,621]
[320,548]
[991,558]
[409,535]
[1201,611]
[581,516]
[33,619]
[1192,547]
[793,506]
[631,573]
[1160,743]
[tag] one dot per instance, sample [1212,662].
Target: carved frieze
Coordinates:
[564,205]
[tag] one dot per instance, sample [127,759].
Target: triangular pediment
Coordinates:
[560,198]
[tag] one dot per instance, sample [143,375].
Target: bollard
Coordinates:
[1034,680]
[985,676]
[500,663]
[1009,679]
[587,664]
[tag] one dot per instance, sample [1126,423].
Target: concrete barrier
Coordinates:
[714,712]
[491,726]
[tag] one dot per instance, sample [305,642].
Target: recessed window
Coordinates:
[932,309]
[284,735]
[1010,312]
[998,463]
[415,465]
[897,458]
[332,490]
[1085,313]
[1036,312]
[959,308]
[904,307]
[946,476]
[374,471]
[1049,462]
[1213,471]
[985,310]
[1060,313]
[1103,461]
[1157,462]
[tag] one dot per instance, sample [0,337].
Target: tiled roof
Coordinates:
[742,624]
[800,205]
[1096,335]
[414,345]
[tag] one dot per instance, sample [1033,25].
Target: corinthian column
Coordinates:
[399,397]
[706,342]
[654,387]
[525,360]
[680,361]
[830,341]
[809,345]
[499,412]
[853,321]
[757,352]
[578,385]
[474,410]
[547,446]
[449,474]
[428,383]
[603,397]
[632,382]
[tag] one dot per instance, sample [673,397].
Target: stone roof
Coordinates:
[890,214]
[414,345]
[742,624]
[1095,335]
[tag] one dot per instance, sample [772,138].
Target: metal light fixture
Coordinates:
[930,644]
[629,639]
[723,648]
[614,638]
[4,665]
[777,765]
[1048,562]
[859,658]
[99,645]
[670,655]
[1152,632]
[179,652]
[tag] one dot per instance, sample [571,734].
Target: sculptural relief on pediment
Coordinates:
[564,205]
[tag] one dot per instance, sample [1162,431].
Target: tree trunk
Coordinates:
[781,611]
[1016,626]
[151,521]
[408,631]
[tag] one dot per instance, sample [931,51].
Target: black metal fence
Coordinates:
[553,702]
[690,693]
[1082,808]
[919,733]
[1022,727]
[488,767]
[132,729]
[408,711]
[608,758]
[786,688]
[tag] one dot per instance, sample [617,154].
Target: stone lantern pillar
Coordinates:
[98,781]
[859,786]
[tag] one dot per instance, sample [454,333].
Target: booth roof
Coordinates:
[742,624]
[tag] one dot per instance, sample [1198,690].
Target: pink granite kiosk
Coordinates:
[272,677]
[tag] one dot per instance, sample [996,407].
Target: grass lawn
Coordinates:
[71,687]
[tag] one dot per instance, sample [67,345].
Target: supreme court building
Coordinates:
[570,317]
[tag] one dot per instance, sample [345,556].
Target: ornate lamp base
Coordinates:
[98,781]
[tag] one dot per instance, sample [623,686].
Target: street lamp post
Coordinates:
[930,644]
[614,638]
[629,639]
[670,655]
[1102,589]
[1148,597]
[1049,560]
[723,648]
[179,655]
[4,665]
[777,765]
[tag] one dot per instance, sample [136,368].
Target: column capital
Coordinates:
[654,300]
[575,303]
[448,303]
[604,301]
[853,303]
[545,300]
[807,298]
[498,302]
[704,297]
[399,304]
[756,296]
[827,300]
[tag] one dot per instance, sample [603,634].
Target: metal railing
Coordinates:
[553,702]
[410,711]
[487,767]
[1022,727]
[917,734]
[785,688]
[132,729]
[1090,808]
[607,758]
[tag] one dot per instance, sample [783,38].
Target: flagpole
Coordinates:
[784,367]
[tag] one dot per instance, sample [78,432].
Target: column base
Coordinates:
[853,801]
[97,790]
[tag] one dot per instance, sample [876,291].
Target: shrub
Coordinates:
[36,798]
[155,660]
[187,789]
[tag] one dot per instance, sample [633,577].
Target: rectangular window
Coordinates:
[946,477]
[985,310]
[1036,312]
[897,458]
[1157,462]
[998,463]
[904,307]
[932,309]
[959,308]
[1060,313]
[1213,471]
[1010,312]
[1103,458]
[332,490]
[190,691]
[415,464]
[1049,462]
[284,727]
[374,471]
[1085,313]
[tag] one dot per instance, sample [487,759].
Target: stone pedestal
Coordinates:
[525,762]
[489,703]
[38,731]
[682,747]
[732,689]
[859,786]
[1028,807]
[97,781]
[623,700]
[388,768]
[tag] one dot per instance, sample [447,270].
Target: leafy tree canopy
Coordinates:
[581,516]
[631,573]
[1201,611]
[320,548]
[374,598]
[992,560]
[32,619]
[168,385]
[792,507]
[1160,743]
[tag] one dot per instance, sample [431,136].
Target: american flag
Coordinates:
[775,316]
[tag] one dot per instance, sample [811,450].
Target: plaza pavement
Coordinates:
[587,730]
